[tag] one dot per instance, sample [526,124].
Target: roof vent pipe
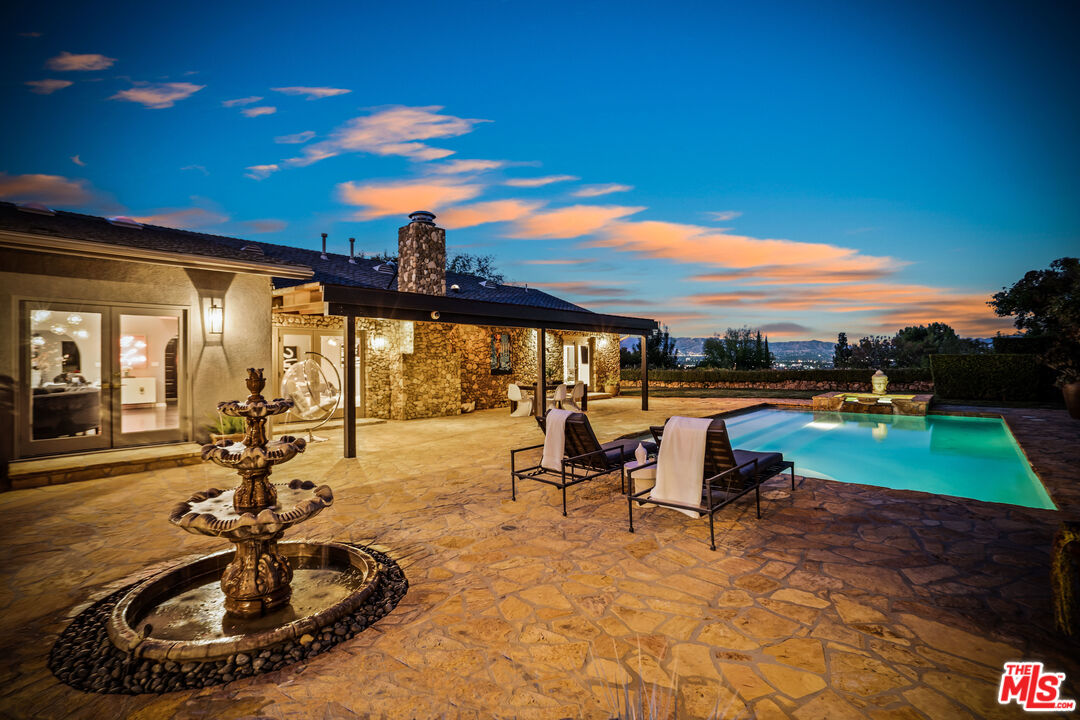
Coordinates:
[323,256]
[352,257]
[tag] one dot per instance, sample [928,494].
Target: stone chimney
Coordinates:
[422,255]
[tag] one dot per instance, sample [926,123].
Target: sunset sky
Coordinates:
[805,168]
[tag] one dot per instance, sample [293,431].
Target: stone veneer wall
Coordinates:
[449,364]
[607,359]
[422,259]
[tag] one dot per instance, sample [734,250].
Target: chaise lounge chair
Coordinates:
[583,457]
[727,475]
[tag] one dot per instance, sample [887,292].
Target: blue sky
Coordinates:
[807,168]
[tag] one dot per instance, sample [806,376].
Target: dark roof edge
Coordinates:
[91,248]
[398,305]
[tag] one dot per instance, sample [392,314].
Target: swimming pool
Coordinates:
[964,457]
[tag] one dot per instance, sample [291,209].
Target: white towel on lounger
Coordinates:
[554,439]
[680,467]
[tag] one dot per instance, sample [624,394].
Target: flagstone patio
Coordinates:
[842,601]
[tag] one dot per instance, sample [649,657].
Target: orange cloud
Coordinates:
[241,101]
[540,181]
[67,62]
[858,269]
[896,305]
[598,190]
[296,139]
[570,222]
[47,87]
[48,189]
[158,95]
[465,216]
[401,198]
[261,172]
[697,244]
[312,93]
[457,167]
[260,110]
[391,131]
[584,288]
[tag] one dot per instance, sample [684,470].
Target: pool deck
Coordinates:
[842,601]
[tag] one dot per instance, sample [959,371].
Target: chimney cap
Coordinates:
[424,217]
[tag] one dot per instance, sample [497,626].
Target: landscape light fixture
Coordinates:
[215,318]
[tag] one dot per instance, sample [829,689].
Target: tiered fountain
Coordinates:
[263,592]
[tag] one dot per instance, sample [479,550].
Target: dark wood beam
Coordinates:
[541,370]
[644,374]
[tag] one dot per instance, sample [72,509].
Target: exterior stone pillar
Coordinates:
[422,255]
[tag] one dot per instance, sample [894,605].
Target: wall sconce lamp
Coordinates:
[378,342]
[215,318]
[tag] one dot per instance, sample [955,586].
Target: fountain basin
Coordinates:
[885,404]
[212,513]
[185,605]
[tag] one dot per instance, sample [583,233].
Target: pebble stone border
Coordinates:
[84,657]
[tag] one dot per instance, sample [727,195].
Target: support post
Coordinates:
[644,375]
[540,406]
[350,386]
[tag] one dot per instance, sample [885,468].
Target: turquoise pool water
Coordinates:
[964,457]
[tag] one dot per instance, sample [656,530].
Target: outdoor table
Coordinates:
[645,478]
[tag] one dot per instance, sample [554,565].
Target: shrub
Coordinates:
[833,375]
[1022,344]
[987,377]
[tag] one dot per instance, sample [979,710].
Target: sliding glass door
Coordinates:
[97,376]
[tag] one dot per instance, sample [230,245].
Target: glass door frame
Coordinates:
[27,446]
[120,439]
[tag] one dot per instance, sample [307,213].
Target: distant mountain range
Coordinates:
[691,346]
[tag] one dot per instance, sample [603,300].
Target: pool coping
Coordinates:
[1054,496]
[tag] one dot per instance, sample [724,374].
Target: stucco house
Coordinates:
[117,334]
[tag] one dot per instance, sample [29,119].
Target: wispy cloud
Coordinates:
[312,93]
[783,328]
[461,167]
[723,215]
[66,61]
[464,216]
[540,181]
[703,245]
[264,226]
[587,289]
[241,101]
[894,305]
[570,222]
[859,268]
[598,190]
[157,96]
[401,198]
[295,139]
[78,161]
[48,189]
[199,168]
[261,172]
[260,110]
[30,34]
[559,261]
[391,131]
[47,87]
[184,218]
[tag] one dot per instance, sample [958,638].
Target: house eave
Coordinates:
[105,251]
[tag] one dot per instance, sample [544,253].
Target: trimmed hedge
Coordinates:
[987,377]
[835,375]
